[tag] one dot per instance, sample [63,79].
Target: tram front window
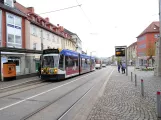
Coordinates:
[50,61]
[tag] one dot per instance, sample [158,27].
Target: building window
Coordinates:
[44,34]
[17,21]
[156,36]
[48,36]
[18,39]
[8,3]
[141,38]
[10,38]
[141,54]
[53,38]
[16,60]
[51,28]
[34,19]
[10,19]
[31,29]
[142,46]
[58,40]
[34,46]
[34,31]
[39,32]
[14,31]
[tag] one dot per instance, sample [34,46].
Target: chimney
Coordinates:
[47,19]
[31,9]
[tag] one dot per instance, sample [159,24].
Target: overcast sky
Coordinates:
[111,22]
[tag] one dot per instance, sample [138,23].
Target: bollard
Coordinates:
[131,76]
[158,105]
[135,80]
[142,87]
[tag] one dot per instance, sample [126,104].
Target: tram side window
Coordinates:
[61,60]
[71,61]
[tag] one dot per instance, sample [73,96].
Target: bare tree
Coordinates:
[150,51]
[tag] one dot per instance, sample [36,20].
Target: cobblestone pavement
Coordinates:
[123,101]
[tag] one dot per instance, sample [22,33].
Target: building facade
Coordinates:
[22,28]
[146,45]
[12,34]
[132,53]
[78,43]
[43,35]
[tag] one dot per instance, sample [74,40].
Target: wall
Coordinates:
[17,29]
[49,40]
[150,41]
[78,43]
[141,51]
[69,45]
[27,32]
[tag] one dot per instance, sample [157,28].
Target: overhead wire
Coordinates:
[84,13]
[79,5]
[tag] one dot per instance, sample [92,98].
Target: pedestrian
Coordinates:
[39,69]
[119,66]
[123,68]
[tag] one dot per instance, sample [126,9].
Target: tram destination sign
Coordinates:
[50,51]
[120,51]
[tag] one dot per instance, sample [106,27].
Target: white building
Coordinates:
[78,43]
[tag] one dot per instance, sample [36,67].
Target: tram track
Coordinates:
[8,91]
[59,98]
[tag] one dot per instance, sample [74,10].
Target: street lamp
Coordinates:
[91,52]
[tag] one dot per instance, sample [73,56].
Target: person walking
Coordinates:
[119,66]
[123,68]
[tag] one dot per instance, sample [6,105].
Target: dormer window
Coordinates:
[34,19]
[9,3]
[43,24]
[51,28]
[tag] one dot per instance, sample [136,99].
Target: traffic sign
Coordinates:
[120,51]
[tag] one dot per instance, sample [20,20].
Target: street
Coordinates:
[58,100]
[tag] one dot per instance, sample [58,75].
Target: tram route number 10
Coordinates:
[119,52]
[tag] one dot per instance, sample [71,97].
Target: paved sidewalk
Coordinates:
[15,82]
[123,101]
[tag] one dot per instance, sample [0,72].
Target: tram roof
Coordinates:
[84,56]
[69,53]
[92,57]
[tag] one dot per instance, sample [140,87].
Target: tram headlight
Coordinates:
[55,71]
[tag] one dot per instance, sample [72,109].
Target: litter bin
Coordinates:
[9,71]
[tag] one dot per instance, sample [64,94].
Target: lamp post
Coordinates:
[91,52]
[159,45]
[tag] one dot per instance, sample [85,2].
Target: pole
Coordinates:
[126,61]
[158,105]
[142,87]
[1,67]
[131,76]
[135,80]
[159,45]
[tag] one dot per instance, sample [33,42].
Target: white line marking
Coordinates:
[18,84]
[104,85]
[83,97]
[42,93]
